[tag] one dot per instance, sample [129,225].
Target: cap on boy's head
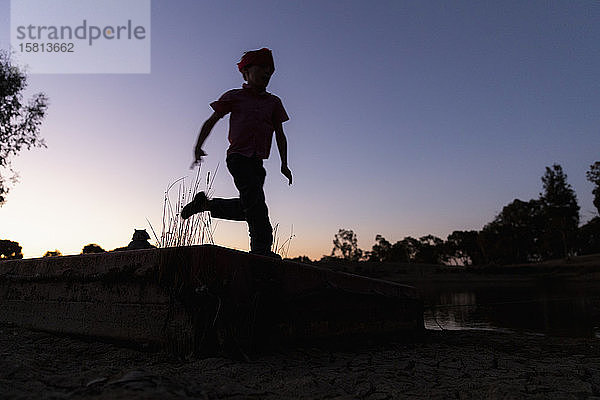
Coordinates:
[260,57]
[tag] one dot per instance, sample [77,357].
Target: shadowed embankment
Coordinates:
[202,300]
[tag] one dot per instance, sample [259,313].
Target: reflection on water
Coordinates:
[454,310]
[561,310]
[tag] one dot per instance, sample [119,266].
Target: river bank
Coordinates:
[443,364]
[580,269]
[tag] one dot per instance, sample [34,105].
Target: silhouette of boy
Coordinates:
[255,115]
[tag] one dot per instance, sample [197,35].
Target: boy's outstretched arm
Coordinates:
[204,132]
[282,146]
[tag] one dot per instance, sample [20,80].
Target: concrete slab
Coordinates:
[200,299]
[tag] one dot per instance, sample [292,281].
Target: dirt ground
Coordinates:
[443,365]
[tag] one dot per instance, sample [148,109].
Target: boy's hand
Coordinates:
[287,173]
[198,153]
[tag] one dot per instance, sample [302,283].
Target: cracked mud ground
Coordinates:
[444,364]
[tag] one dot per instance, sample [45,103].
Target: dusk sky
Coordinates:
[407,118]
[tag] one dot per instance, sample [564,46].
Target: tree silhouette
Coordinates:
[55,253]
[10,250]
[19,122]
[381,250]
[411,247]
[524,231]
[515,233]
[384,251]
[588,237]
[465,247]
[593,175]
[92,248]
[561,212]
[345,244]
[430,250]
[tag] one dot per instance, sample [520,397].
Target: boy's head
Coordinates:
[257,66]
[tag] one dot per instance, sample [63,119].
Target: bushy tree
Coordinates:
[10,250]
[92,248]
[561,213]
[593,175]
[427,249]
[430,250]
[19,122]
[465,247]
[380,250]
[384,251]
[345,246]
[514,235]
[411,247]
[588,237]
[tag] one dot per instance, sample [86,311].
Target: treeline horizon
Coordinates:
[536,230]
[10,250]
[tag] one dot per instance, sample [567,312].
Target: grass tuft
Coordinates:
[198,229]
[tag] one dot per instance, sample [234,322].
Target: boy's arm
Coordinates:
[282,146]
[204,132]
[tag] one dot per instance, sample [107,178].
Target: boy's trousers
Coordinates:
[249,177]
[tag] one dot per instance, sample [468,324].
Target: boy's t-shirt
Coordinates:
[252,121]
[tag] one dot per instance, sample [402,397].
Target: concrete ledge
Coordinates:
[200,299]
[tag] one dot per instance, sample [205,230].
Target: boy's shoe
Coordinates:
[273,255]
[199,204]
[269,253]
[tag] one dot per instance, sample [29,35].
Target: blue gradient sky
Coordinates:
[407,118]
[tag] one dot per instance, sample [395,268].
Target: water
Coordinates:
[554,309]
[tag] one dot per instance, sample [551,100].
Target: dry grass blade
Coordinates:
[284,249]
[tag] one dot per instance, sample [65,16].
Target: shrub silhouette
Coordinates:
[10,250]
[50,253]
[92,248]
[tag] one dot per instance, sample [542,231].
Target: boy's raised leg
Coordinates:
[230,209]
